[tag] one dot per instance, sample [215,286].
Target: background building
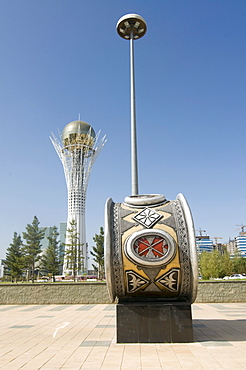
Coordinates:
[231,246]
[204,244]
[63,230]
[47,233]
[61,238]
[241,243]
[238,244]
[3,268]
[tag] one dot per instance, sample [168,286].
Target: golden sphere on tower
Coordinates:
[78,135]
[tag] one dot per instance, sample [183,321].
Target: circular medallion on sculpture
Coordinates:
[150,247]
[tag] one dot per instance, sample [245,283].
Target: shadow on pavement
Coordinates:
[219,330]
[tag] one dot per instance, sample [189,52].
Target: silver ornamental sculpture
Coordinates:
[150,249]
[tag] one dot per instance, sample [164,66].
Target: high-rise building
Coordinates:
[204,244]
[45,241]
[3,268]
[78,149]
[63,230]
[231,247]
[241,243]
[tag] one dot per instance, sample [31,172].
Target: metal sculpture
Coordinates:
[150,249]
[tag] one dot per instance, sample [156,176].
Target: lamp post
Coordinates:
[132,27]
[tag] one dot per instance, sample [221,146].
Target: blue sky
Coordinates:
[62,58]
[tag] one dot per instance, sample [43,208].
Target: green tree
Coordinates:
[32,247]
[214,264]
[204,264]
[98,253]
[73,253]
[217,270]
[50,260]
[15,258]
[239,263]
[227,263]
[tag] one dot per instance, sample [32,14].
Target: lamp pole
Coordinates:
[132,27]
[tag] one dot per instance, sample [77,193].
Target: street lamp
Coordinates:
[132,27]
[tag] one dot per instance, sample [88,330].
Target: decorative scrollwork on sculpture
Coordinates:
[183,249]
[117,254]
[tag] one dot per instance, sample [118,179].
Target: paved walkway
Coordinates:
[83,337]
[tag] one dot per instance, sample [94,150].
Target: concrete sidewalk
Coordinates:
[83,337]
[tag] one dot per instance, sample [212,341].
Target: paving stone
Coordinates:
[86,339]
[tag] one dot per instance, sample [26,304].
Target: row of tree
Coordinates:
[23,258]
[218,265]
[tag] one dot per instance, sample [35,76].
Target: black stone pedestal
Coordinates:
[150,322]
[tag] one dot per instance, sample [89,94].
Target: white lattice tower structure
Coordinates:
[77,150]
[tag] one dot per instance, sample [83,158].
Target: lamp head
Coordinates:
[131,23]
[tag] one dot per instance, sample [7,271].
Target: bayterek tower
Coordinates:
[77,150]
